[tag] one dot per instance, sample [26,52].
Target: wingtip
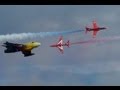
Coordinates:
[94,36]
[94,21]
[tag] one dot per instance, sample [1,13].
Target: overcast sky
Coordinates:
[91,64]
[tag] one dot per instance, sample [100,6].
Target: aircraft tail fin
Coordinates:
[4,44]
[68,43]
[87,29]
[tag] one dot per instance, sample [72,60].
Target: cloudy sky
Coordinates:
[86,64]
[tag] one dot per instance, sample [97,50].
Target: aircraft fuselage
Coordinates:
[96,29]
[58,45]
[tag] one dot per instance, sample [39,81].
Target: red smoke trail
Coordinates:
[88,41]
[98,40]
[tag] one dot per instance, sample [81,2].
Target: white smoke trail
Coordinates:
[22,36]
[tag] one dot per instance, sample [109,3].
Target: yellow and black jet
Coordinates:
[24,48]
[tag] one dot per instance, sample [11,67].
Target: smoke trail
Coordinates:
[99,40]
[22,36]
[88,41]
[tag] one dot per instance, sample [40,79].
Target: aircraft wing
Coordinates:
[94,33]
[60,41]
[27,53]
[61,49]
[95,25]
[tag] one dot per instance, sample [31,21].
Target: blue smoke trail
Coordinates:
[22,36]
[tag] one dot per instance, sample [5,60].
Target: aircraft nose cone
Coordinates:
[39,44]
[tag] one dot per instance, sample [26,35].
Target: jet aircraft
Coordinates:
[95,29]
[24,48]
[60,44]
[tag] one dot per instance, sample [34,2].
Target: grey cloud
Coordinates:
[93,64]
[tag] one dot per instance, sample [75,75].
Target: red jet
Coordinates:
[95,29]
[60,44]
